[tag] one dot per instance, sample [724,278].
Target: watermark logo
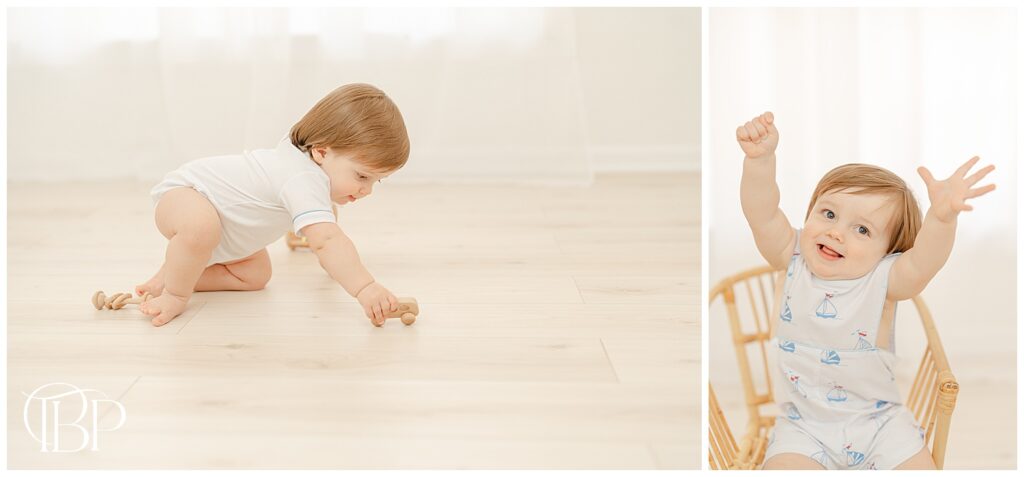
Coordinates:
[56,413]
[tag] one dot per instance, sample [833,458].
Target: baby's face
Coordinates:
[846,234]
[350,180]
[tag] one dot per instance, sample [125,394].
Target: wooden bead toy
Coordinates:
[117,301]
[407,311]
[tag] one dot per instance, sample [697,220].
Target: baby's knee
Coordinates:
[260,281]
[200,235]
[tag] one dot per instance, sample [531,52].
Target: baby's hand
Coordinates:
[948,197]
[758,137]
[377,301]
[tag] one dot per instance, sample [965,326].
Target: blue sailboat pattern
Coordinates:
[862,342]
[787,346]
[880,403]
[829,356]
[820,457]
[853,457]
[786,315]
[826,309]
[837,394]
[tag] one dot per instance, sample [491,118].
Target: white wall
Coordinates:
[534,95]
[641,80]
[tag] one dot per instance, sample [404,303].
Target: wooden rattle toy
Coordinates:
[118,301]
[407,311]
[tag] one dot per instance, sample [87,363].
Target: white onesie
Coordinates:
[839,401]
[259,195]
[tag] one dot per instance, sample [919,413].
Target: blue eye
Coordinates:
[862,230]
[829,214]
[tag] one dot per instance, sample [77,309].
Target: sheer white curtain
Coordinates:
[898,88]
[487,93]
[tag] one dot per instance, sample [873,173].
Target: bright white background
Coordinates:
[897,88]
[491,94]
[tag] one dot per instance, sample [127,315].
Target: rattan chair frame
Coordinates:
[932,396]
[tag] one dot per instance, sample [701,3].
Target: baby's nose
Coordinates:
[834,235]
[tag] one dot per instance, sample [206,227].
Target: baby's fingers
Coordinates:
[741,134]
[752,131]
[764,120]
[368,309]
[392,302]
[759,125]
[769,122]
[962,171]
[980,191]
[926,175]
[378,313]
[977,176]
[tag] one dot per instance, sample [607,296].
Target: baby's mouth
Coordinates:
[828,253]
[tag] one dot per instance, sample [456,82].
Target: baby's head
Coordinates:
[357,136]
[858,214]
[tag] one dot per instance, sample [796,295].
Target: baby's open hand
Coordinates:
[377,301]
[758,137]
[949,197]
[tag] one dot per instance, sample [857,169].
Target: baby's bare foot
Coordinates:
[163,308]
[155,285]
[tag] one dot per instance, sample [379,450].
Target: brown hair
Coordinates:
[359,118]
[868,179]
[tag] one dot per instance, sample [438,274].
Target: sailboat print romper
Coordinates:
[839,402]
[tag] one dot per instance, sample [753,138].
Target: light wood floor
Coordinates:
[559,328]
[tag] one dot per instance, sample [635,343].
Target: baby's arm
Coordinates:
[916,267]
[759,194]
[338,256]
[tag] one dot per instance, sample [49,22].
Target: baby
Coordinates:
[219,213]
[863,247]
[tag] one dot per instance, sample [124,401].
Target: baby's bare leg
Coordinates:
[920,461]
[192,225]
[790,460]
[250,273]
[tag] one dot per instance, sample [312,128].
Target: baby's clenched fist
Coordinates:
[758,137]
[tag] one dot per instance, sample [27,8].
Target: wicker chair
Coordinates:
[932,396]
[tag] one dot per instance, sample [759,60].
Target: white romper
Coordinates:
[839,401]
[259,195]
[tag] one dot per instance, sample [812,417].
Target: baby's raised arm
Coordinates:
[338,256]
[759,194]
[916,267]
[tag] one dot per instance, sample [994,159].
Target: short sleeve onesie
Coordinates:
[259,195]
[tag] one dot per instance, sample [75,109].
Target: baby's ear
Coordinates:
[318,153]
